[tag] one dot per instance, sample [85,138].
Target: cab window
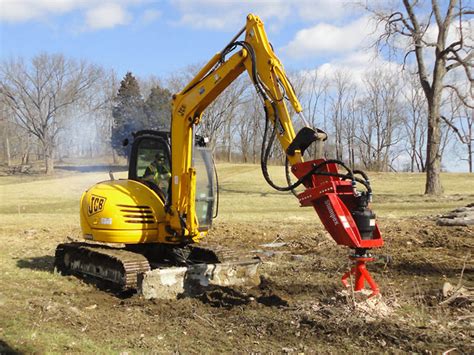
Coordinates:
[153,165]
[205,186]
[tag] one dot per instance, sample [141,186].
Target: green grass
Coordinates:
[245,196]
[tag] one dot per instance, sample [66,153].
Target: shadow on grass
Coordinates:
[46,263]
[424,269]
[93,168]
[6,349]
[228,298]
[40,263]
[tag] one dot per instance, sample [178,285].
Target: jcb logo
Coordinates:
[96,204]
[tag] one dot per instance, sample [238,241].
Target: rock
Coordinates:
[273,245]
[447,289]
[297,257]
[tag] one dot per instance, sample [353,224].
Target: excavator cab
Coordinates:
[150,164]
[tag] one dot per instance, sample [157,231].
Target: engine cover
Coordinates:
[122,211]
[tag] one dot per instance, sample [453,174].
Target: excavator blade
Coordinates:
[171,282]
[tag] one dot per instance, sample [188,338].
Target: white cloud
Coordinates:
[107,15]
[230,14]
[327,38]
[311,10]
[150,15]
[227,15]
[357,64]
[24,10]
[97,15]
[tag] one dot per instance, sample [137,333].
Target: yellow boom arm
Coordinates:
[261,63]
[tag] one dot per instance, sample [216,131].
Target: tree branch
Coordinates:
[459,95]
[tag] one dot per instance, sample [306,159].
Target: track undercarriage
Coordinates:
[157,271]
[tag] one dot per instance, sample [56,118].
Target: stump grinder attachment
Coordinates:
[344,211]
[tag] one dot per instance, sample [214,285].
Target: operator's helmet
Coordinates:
[160,157]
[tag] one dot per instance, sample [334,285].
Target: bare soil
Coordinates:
[299,306]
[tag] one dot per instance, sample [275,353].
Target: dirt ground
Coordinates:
[298,308]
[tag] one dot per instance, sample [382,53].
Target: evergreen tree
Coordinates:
[158,109]
[128,113]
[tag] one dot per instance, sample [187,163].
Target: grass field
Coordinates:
[42,312]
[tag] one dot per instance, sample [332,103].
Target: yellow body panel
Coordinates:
[123,211]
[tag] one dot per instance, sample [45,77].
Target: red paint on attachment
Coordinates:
[361,274]
[334,199]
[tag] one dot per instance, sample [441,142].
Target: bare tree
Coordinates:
[40,92]
[415,122]
[312,89]
[414,24]
[339,109]
[378,125]
[461,122]
[350,128]
[220,113]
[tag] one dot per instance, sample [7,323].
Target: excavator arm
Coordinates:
[256,56]
[343,210]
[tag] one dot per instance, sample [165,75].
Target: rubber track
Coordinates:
[119,266]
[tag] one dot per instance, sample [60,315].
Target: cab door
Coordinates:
[205,186]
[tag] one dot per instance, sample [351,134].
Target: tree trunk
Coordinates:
[433,153]
[48,158]
[25,158]
[7,150]
[114,157]
[469,153]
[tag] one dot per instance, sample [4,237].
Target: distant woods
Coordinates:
[414,116]
[131,113]
[53,108]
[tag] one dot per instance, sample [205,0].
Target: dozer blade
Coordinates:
[171,282]
[117,266]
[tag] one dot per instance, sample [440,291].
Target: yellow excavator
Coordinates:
[160,223]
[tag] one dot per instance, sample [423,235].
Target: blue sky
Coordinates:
[159,37]
[153,37]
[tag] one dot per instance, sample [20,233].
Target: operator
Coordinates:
[158,172]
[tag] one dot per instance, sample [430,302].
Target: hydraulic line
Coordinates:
[267,96]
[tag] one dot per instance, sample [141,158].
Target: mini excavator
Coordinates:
[158,225]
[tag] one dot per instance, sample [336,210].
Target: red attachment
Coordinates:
[333,198]
[361,274]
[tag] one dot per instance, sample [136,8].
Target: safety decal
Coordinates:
[331,212]
[96,204]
